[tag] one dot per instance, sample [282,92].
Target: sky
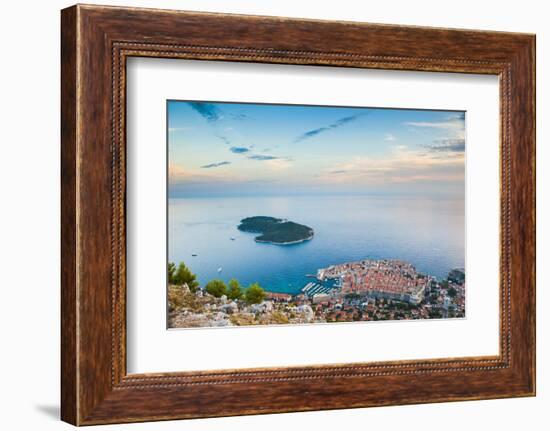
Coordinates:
[225,149]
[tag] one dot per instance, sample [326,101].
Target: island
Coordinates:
[275,230]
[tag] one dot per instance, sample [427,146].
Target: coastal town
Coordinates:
[367,290]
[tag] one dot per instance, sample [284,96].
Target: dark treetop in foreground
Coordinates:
[276,230]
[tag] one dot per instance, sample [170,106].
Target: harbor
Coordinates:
[312,288]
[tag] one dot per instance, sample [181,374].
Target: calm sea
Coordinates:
[429,233]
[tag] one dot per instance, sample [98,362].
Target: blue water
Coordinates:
[428,232]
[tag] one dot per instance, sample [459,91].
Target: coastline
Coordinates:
[285,243]
[388,290]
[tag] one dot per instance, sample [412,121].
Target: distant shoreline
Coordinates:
[284,243]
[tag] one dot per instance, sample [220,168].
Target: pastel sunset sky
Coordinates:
[218,149]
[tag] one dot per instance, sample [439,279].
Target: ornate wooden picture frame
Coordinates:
[96,41]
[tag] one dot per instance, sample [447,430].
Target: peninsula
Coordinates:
[275,230]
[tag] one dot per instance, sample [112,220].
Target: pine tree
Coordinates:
[184,276]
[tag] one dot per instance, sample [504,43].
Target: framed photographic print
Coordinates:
[322,214]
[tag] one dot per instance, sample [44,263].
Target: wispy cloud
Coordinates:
[402,165]
[338,123]
[273,163]
[453,127]
[452,122]
[239,150]
[432,125]
[262,157]
[224,138]
[279,164]
[212,113]
[389,137]
[448,145]
[208,111]
[215,165]
[240,116]
[184,181]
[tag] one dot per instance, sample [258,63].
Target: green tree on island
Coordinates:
[171,272]
[254,294]
[216,288]
[452,292]
[234,292]
[183,276]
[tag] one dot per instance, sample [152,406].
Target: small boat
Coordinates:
[194,254]
[232,239]
[219,269]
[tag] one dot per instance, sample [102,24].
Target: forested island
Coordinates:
[275,230]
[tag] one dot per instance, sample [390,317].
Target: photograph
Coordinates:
[307,214]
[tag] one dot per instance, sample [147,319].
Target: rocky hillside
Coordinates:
[199,309]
